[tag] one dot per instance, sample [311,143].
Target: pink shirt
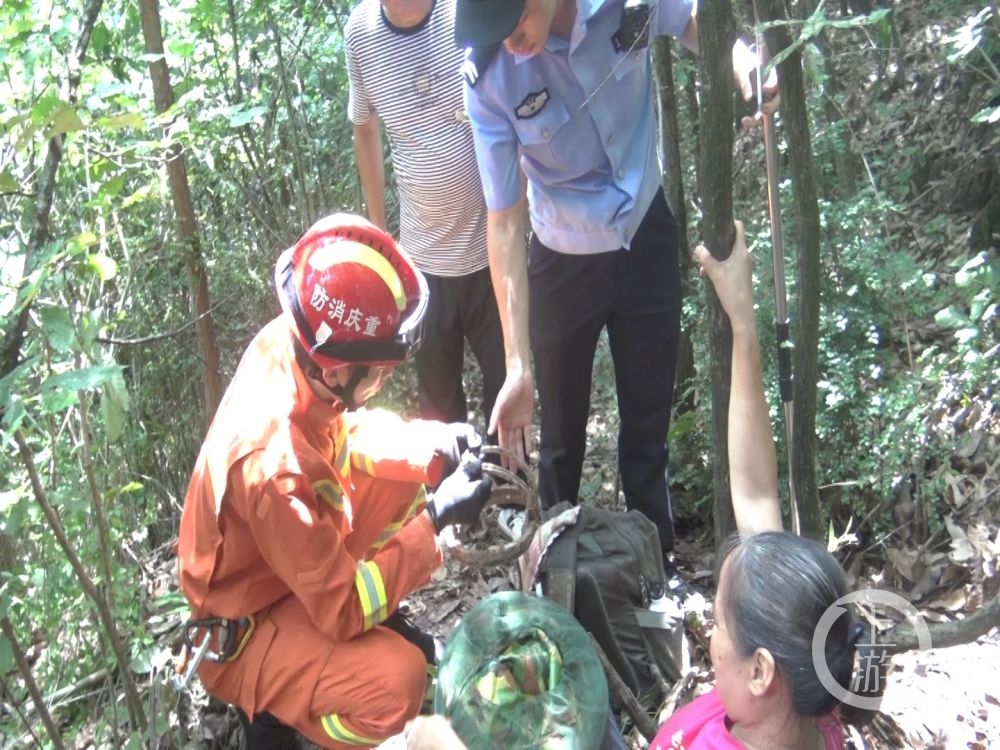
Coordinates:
[703,725]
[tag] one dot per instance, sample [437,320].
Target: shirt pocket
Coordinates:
[629,73]
[537,131]
[628,64]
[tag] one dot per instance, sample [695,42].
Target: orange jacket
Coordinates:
[279,487]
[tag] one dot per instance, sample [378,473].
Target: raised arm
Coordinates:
[371,168]
[753,464]
[745,60]
[515,404]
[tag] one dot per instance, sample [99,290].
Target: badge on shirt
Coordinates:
[532,104]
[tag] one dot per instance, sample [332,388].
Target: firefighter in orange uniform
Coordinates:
[306,519]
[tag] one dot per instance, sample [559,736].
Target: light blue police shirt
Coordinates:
[580,116]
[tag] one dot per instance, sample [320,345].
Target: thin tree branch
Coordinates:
[135,705]
[29,682]
[96,501]
[160,336]
[645,725]
[944,634]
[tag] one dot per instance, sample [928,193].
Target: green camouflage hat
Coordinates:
[520,672]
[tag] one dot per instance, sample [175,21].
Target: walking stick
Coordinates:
[778,261]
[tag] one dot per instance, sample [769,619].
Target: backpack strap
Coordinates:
[560,563]
[560,569]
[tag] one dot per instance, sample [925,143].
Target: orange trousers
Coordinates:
[340,695]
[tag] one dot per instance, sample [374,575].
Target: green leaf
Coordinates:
[988,114]
[13,416]
[877,16]
[64,120]
[59,328]
[965,335]
[183,49]
[683,425]
[114,406]
[57,400]
[11,402]
[127,489]
[143,193]
[6,656]
[814,24]
[119,122]
[70,500]
[81,380]
[113,416]
[99,39]
[112,187]
[142,662]
[27,136]
[239,116]
[972,269]
[105,268]
[81,242]
[45,108]
[7,183]
[951,317]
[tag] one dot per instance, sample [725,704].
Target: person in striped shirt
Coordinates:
[404,72]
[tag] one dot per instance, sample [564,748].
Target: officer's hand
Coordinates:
[456,439]
[746,71]
[461,497]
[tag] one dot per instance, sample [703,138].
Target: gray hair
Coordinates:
[779,587]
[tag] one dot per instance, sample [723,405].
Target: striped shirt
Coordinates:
[410,79]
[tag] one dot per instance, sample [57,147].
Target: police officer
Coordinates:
[563,90]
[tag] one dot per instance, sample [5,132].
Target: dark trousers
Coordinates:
[636,294]
[460,308]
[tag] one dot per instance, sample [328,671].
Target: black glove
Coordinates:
[461,497]
[458,437]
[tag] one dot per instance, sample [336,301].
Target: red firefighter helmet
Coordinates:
[351,294]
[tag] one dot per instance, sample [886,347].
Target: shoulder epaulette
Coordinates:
[477,60]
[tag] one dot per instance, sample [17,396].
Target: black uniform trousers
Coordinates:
[459,308]
[636,294]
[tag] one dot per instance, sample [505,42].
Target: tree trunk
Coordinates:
[795,118]
[673,184]
[163,94]
[715,179]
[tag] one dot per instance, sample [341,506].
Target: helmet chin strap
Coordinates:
[346,393]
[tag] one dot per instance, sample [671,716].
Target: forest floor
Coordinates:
[937,698]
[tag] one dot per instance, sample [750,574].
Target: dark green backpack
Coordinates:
[607,569]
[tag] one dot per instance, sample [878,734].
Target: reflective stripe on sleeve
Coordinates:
[387,533]
[371,592]
[330,492]
[364,463]
[419,501]
[417,505]
[336,730]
